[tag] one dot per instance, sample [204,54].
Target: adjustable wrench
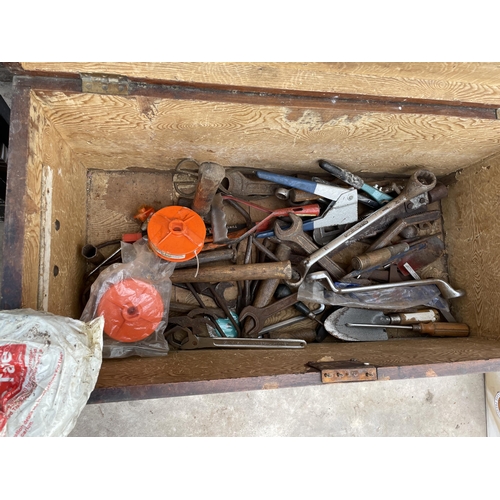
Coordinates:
[420,182]
[295,234]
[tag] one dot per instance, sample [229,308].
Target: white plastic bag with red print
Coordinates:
[48,367]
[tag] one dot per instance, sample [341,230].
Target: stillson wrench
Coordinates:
[420,182]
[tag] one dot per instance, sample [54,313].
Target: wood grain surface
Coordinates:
[473,240]
[67,237]
[32,220]
[111,132]
[467,82]
[115,197]
[215,364]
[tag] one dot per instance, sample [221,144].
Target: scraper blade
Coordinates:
[335,325]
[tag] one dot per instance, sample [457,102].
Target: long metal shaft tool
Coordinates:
[433,329]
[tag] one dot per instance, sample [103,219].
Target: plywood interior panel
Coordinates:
[115,196]
[473,238]
[111,132]
[65,227]
[56,191]
[466,82]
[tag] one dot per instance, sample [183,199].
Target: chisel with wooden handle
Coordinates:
[433,329]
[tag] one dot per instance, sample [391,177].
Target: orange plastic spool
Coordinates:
[176,233]
[132,310]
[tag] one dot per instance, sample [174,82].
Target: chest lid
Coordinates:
[453,83]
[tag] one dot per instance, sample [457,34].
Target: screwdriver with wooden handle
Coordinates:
[433,329]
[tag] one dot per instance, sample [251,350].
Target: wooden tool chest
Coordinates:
[91,142]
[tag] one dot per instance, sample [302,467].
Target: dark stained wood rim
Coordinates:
[156,391]
[312,377]
[438,369]
[14,227]
[346,103]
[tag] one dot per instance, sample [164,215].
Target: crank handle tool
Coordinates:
[446,290]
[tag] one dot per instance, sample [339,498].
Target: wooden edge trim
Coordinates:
[155,391]
[15,203]
[438,369]
[278,97]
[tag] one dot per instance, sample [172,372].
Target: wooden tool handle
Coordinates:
[444,329]
[265,271]
[378,257]
[210,175]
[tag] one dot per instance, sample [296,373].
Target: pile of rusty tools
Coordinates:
[265,260]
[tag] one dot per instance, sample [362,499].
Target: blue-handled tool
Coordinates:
[355,181]
[343,208]
[324,190]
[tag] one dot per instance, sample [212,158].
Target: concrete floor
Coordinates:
[446,406]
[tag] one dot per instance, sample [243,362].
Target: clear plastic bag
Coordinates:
[134,298]
[48,367]
[386,299]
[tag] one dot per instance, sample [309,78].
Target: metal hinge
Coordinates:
[105,84]
[345,371]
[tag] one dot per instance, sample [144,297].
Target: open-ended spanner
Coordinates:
[295,234]
[259,315]
[420,182]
